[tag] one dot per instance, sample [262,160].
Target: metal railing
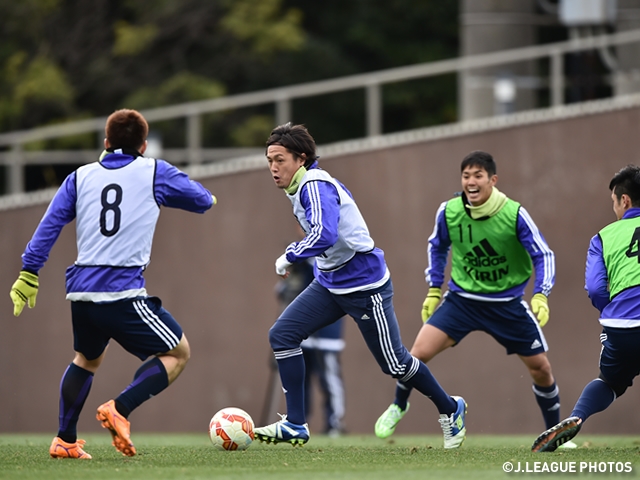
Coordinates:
[16,158]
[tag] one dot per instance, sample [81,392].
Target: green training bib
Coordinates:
[487,256]
[621,252]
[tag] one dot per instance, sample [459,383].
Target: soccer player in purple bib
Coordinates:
[351,278]
[116,203]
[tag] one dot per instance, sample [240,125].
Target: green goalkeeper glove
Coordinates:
[430,303]
[540,307]
[24,290]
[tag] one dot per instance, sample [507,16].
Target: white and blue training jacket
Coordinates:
[116,203]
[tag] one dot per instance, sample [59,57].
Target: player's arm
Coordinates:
[173,188]
[60,211]
[321,202]
[596,278]
[544,264]
[542,257]
[437,252]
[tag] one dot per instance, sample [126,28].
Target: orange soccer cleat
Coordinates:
[118,426]
[61,449]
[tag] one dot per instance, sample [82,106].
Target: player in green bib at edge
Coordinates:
[495,246]
[612,280]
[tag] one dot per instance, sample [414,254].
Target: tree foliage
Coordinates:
[69,59]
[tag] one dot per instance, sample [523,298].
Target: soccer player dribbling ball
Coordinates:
[352,278]
[116,203]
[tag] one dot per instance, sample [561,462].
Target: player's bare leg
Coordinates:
[539,368]
[175,360]
[429,342]
[90,365]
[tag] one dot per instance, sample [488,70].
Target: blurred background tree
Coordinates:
[69,59]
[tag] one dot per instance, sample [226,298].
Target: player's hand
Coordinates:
[24,290]
[430,303]
[281,265]
[540,307]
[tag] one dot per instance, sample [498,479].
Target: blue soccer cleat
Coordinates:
[453,425]
[283,431]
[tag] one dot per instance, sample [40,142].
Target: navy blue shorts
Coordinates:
[140,325]
[316,307]
[511,323]
[620,356]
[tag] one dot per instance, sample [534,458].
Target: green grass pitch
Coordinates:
[404,457]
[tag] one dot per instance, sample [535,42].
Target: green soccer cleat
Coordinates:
[388,421]
[561,434]
[453,426]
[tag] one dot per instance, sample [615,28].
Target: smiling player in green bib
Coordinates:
[495,247]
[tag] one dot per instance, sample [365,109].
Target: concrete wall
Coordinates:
[215,274]
[491,26]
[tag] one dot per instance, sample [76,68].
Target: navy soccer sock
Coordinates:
[548,399]
[74,390]
[595,397]
[292,372]
[426,383]
[149,380]
[402,395]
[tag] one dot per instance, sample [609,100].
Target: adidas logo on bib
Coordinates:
[484,264]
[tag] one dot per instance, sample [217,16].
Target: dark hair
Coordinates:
[627,181]
[480,159]
[126,129]
[296,139]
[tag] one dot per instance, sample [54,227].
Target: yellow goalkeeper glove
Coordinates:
[24,290]
[540,307]
[430,303]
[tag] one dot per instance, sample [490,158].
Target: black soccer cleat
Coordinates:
[558,435]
